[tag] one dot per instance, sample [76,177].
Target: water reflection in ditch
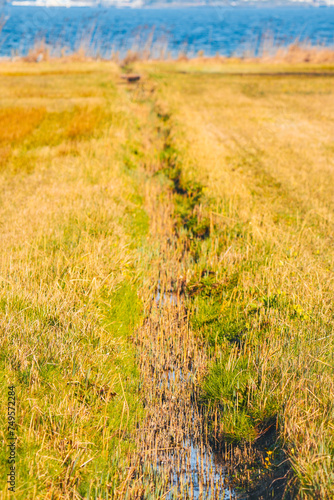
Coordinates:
[175,436]
[195,470]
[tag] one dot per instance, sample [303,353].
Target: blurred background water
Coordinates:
[224,30]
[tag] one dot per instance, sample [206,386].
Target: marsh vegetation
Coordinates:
[166,278]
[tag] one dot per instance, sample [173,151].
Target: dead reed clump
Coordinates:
[38,53]
[294,53]
[303,54]
[182,57]
[130,58]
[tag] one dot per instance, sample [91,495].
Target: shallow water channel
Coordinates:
[175,437]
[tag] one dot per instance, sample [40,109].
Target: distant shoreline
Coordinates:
[160,31]
[256,4]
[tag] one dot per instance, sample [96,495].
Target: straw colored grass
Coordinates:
[200,199]
[68,296]
[262,148]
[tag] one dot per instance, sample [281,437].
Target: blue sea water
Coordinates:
[226,30]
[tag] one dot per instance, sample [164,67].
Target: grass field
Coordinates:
[212,182]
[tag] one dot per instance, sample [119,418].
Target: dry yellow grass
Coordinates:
[263,148]
[239,169]
[68,293]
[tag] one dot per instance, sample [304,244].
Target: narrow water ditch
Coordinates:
[174,438]
[175,459]
[175,434]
